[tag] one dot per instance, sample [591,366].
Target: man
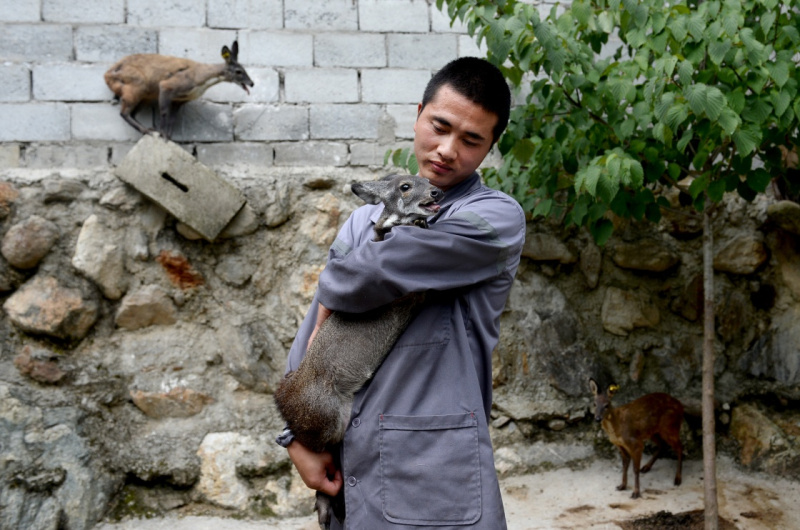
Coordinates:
[417,451]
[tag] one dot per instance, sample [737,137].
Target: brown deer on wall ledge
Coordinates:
[171,81]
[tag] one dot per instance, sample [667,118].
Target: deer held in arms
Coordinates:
[656,417]
[171,81]
[316,400]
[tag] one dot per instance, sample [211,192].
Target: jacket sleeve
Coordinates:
[477,242]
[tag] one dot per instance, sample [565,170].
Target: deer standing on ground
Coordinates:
[316,400]
[657,417]
[171,81]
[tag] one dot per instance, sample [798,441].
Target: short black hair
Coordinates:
[477,80]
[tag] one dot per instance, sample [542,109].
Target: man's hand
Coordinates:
[316,469]
[322,314]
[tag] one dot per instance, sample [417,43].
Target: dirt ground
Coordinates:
[588,499]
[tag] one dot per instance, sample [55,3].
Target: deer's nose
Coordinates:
[436,194]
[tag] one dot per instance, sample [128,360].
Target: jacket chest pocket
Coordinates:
[430,469]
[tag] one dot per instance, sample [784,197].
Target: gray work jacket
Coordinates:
[417,452]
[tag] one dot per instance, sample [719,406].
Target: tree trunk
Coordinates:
[709,422]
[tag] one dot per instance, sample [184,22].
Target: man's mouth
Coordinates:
[440,167]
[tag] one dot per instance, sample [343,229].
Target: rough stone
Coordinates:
[62,190]
[546,247]
[625,310]
[179,402]
[743,254]
[785,214]
[762,443]
[147,306]
[591,262]
[8,194]
[27,242]
[44,306]
[40,365]
[645,255]
[219,483]
[99,255]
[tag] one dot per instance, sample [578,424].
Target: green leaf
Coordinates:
[716,190]
[780,101]
[587,179]
[746,140]
[582,11]
[678,28]
[759,179]
[717,51]
[601,231]
[543,208]
[729,121]
[684,141]
[779,72]
[606,22]
[704,99]
[698,186]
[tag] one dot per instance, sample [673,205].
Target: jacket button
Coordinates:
[351,481]
[356,422]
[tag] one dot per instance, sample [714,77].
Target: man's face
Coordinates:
[452,136]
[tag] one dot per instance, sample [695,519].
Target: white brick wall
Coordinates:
[337,82]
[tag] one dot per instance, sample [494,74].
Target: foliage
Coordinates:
[619,98]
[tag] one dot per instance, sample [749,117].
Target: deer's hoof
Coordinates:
[622,487]
[635,495]
[677,481]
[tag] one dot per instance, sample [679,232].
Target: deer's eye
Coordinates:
[405,187]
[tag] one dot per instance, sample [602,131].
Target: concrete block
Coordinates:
[183,13]
[265,48]
[89,11]
[311,154]
[15,82]
[9,156]
[321,85]
[266,88]
[198,44]
[203,121]
[34,122]
[404,117]
[235,153]
[70,82]
[394,16]
[109,44]
[421,51]
[371,153]
[251,14]
[350,50]
[119,150]
[468,47]
[271,123]
[101,121]
[187,189]
[440,22]
[35,42]
[321,15]
[393,86]
[20,11]
[82,156]
[345,121]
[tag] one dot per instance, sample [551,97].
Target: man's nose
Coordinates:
[447,148]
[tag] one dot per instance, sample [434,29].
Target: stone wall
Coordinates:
[138,360]
[336,81]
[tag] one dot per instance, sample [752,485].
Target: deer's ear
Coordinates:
[369,192]
[235,50]
[593,386]
[226,54]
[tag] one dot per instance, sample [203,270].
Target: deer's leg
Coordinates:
[166,109]
[675,443]
[626,460]
[636,456]
[128,112]
[324,508]
[659,447]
